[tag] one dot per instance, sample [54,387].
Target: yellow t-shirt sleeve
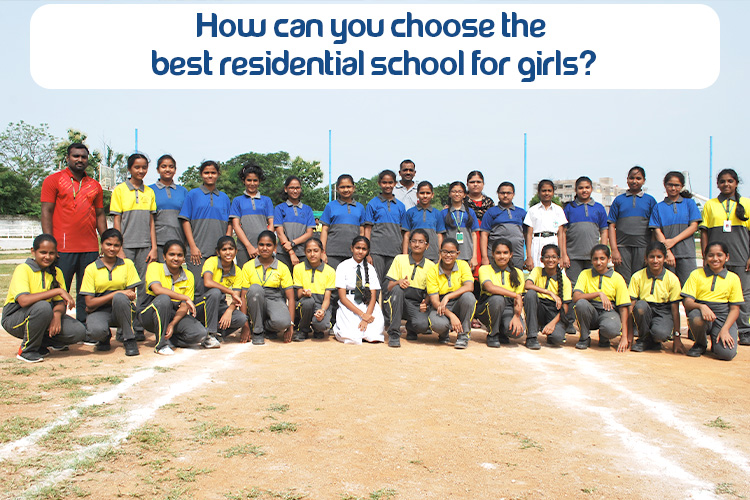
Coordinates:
[622,298]
[534,275]
[395,272]
[331,278]
[88,284]
[485,274]
[735,291]
[298,275]
[210,265]
[674,287]
[465,269]
[286,276]
[153,274]
[519,289]
[635,286]
[115,204]
[567,289]
[691,285]
[190,290]
[582,282]
[431,281]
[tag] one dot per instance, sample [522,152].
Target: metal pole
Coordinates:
[136,140]
[330,181]
[525,165]
[710,167]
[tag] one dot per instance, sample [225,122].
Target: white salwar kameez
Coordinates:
[346,329]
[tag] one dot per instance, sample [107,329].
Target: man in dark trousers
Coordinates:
[73,212]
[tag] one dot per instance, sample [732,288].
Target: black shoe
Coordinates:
[140,336]
[504,339]
[299,336]
[43,351]
[30,357]
[258,339]
[493,341]
[394,340]
[744,339]
[131,348]
[319,335]
[103,345]
[58,347]
[639,346]
[533,343]
[570,329]
[444,340]
[411,336]
[696,351]
[462,341]
[583,344]
[271,335]
[550,342]
[604,342]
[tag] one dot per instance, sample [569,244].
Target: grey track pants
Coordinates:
[496,311]
[159,313]
[138,256]
[592,318]
[31,324]
[701,328]
[743,322]
[306,307]
[264,313]
[398,306]
[120,313]
[463,307]
[653,320]
[212,307]
[632,261]
[539,312]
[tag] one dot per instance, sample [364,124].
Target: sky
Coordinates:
[446,132]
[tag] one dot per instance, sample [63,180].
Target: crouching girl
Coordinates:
[314,281]
[548,295]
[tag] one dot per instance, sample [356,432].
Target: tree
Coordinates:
[276,168]
[535,200]
[17,197]
[28,151]
[366,189]
[441,196]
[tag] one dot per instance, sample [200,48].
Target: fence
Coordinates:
[19,227]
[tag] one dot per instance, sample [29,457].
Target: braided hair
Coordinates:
[515,279]
[560,282]
[51,269]
[739,211]
[366,292]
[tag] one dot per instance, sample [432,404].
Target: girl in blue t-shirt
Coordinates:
[423,216]
[169,199]
[383,217]
[342,221]
[251,213]
[294,223]
[460,223]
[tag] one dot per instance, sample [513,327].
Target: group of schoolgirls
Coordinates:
[427,260]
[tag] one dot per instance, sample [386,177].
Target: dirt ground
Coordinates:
[322,420]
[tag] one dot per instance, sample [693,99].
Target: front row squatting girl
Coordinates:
[359,317]
[169,310]
[406,297]
[34,309]
[314,281]
[598,294]
[267,286]
[501,303]
[109,285]
[220,278]
[655,292]
[712,299]
[547,299]
[450,287]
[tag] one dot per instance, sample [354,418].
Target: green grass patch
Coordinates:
[588,491]
[727,489]
[58,492]
[60,437]
[78,394]
[242,450]
[151,438]
[9,390]
[282,427]
[719,423]
[109,379]
[163,369]
[202,407]
[278,408]
[18,427]
[209,431]
[64,382]
[382,493]
[23,370]
[189,475]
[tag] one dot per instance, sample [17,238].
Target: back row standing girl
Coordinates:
[544,222]
[205,218]
[383,218]
[460,223]
[169,200]
[725,220]
[251,213]
[342,221]
[423,216]
[629,231]
[294,223]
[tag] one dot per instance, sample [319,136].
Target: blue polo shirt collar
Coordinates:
[206,190]
[290,204]
[161,185]
[670,202]
[255,196]
[352,202]
[579,203]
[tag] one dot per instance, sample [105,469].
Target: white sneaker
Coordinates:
[165,351]
[211,343]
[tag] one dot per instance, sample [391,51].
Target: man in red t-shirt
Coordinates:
[73,212]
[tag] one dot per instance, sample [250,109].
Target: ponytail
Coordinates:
[515,280]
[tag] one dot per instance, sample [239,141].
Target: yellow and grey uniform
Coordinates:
[440,283]
[264,289]
[715,213]
[654,296]
[590,313]
[718,292]
[30,324]
[541,309]
[496,311]
[213,304]
[318,280]
[404,304]
[99,280]
[159,310]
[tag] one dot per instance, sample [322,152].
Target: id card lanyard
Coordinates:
[459,221]
[728,211]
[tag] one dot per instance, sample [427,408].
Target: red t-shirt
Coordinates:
[74,218]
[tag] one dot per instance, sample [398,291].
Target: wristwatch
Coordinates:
[677,334]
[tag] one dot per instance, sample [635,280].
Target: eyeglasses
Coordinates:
[448,252]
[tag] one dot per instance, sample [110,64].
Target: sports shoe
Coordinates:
[210,342]
[444,339]
[131,348]
[58,347]
[504,339]
[319,335]
[696,351]
[744,339]
[493,341]
[462,341]
[583,344]
[140,336]
[43,351]
[103,345]
[411,336]
[394,340]
[30,357]
[299,336]
[88,341]
[165,351]
[639,346]
[604,342]
[271,335]
[551,343]
[533,343]
[258,339]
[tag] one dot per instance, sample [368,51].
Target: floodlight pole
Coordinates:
[525,157]
[136,140]
[330,190]
[710,167]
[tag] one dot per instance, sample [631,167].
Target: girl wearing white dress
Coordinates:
[358,317]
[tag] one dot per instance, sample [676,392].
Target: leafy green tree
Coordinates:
[533,201]
[441,196]
[366,189]
[17,197]
[28,151]
[276,168]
